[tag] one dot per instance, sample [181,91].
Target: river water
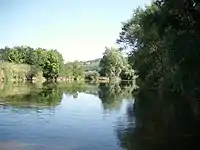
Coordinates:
[80,116]
[67,117]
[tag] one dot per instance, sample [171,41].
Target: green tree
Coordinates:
[75,70]
[91,75]
[68,71]
[78,70]
[164,44]
[113,63]
[50,62]
[143,41]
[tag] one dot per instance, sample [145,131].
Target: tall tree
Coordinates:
[74,70]
[164,42]
[113,63]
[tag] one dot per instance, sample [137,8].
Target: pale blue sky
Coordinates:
[79,29]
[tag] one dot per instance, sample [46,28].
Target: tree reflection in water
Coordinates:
[112,95]
[50,95]
[46,95]
[32,96]
[160,121]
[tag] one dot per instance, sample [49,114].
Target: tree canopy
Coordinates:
[49,61]
[114,64]
[74,69]
[163,39]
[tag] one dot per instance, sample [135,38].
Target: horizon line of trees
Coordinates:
[47,61]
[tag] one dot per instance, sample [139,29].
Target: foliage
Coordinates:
[91,65]
[34,73]
[164,44]
[14,72]
[17,54]
[114,64]
[50,62]
[78,70]
[75,70]
[92,76]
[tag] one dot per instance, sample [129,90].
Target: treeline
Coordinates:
[23,63]
[46,63]
[163,39]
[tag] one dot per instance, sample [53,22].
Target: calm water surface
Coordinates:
[70,117]
[81,116]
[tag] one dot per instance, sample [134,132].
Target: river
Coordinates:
[81,116]
[68,117]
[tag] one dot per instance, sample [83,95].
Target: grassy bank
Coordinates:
[12,72]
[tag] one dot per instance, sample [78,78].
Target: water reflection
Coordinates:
[75,88]
[29,95]
[50,95]
[153,121]
[160,121]
[61,116]
[112,95]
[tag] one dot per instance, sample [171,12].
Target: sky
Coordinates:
[78,29]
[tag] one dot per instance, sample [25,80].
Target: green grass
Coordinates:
[12,72]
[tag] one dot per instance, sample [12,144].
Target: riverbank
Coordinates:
[12,72]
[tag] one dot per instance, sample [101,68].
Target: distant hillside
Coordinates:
[91,65]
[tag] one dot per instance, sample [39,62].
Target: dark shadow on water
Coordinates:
[159,121]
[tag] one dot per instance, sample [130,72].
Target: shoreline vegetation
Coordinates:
[26,64]
[162,40]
